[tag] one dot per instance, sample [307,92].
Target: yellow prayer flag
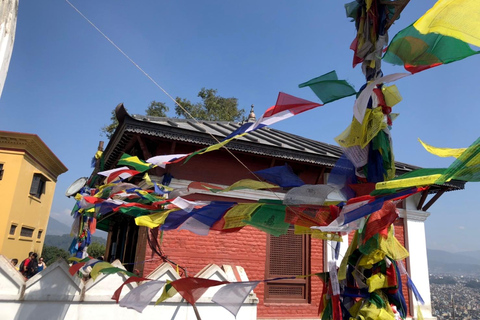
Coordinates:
[242,211]
[377,281]
[419,313]
[221,144]
[249,184]
[342,271]
[318,234]
[392,95]
[168,292]
[408,182]
[98,267]
[454,18]
[153,220]
[362,133]
[443,152]
[147,179]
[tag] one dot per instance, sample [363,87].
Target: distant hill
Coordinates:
[461,263]
[56,227]
[64,241]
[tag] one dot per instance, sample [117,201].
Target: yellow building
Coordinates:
[28,175]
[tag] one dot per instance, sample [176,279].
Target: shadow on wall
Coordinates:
[48,294]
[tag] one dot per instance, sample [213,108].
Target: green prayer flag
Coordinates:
[417,52]
[466,167]
[328,88]
[135,162]
[270,219]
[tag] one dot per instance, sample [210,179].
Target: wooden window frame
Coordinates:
[13,226]
[303,283]
[30,229]
[39,184]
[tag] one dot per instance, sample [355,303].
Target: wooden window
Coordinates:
[38,185]
[1,171]
[26,232]
[288,255]
[13,228]
[39,234]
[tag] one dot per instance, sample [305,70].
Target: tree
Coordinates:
[50,254]
[109,129]
[157,109]
[212,107]
[96,250]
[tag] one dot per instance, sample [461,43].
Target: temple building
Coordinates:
[262,255]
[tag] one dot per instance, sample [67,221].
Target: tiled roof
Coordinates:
[308,150]
[264,141]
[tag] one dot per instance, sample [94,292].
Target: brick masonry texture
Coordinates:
[247,248]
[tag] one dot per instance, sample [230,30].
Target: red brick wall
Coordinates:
[246,248]
[400,235]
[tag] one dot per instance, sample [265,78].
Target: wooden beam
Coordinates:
[143,146]
[422,199]
[432,201]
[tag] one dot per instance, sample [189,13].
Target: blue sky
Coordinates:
[65,78]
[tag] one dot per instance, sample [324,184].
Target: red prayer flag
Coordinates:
[74,268]
[118,292]
[191,289]
[380,220]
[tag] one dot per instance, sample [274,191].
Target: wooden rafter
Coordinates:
[432,201]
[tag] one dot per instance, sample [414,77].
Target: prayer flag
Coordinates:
[140,297]
[191,289]
[207,216]
[286,106]
[153,220]
[168,291]
[281,175]
[120,175]
[443,152]
[308,194]
[361,103]
[118,292]
[417,52]
[186,205]
[232,295]
[175,219]
[380,220]
[466,167]
[248,184]
[270,218]
[134,161]
[363,211]
[163,160]
[97,267]
[109,172]
[243,211]
[328,88]
[454,18]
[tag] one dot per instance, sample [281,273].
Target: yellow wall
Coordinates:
[17,206]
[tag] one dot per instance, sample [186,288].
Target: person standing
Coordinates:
[32,268]
[14,263]
[41,265]
[24,265]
